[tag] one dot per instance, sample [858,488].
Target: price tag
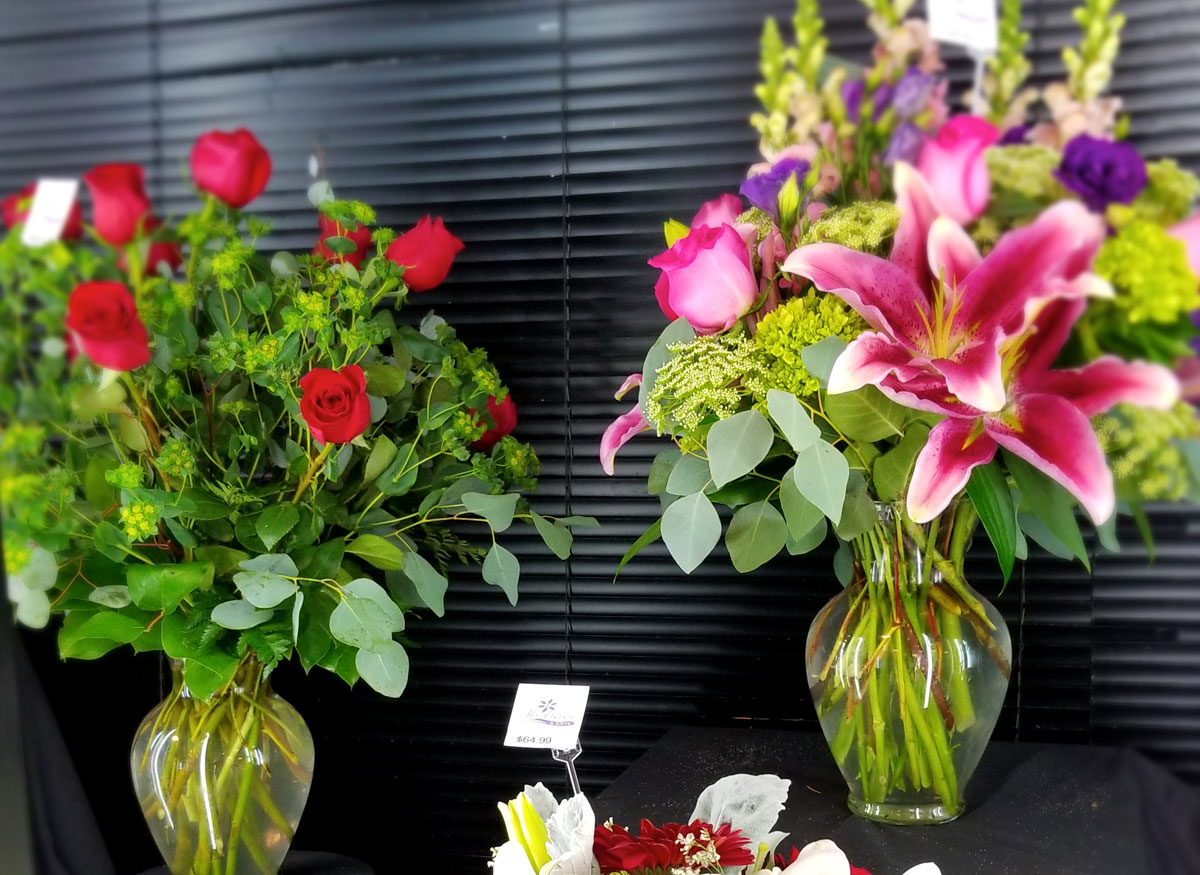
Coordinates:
[969,23]
[546,716]
[52,202]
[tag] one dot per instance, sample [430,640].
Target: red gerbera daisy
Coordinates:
[658,848]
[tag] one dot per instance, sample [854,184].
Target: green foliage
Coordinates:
[1148,450]
[1089,66]
[708,378]
[1167,198]
[993,501]
[785,332]
[690,529]
[1009,67]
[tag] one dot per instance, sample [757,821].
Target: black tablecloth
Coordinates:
[309,863]
[1032,809]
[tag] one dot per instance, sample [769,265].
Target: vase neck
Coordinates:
[897,550]
[248,679]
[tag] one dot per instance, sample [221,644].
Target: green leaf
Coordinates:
[498,510]
[800,514]
[205,506]
[793,420]
[98,492]
[401,474]
[284,264]
[419,346]
[313,641]
[162,587]
[866,414]
[557,536]
[580,522]
[264,580]
[1106,534]
[1051,504]
[360,622]
[989,492]
[756,535]
[258,299]
[1144,529]
[382,455]
[744,491]
[380,552]
[858,511]
[223,559]
[810,540]
[1190,447]
[1043,537]
[132,434]
[674,231]
[115,596]
[818,359]
[892,470]
[275,522]
[341,245]
[88,402]
[386,670]
[843,563]
[431,584]
[821,474]
[85,636]
[501,568]
[384,381]
[322,561]
[689,475]
[368,589]
[660,470]
[208,672]
[736,445]
[239,614]
[658,355]
[648,537]
[690,529]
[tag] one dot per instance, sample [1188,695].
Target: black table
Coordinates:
[308,863]
[1032,809]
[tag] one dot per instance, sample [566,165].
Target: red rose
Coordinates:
[334,404]
[161,251]
[119,202]
[361,237]
[426,253]
[504,414]
[234,166]
[102,318]
[14,209]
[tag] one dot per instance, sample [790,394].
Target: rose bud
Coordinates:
[360,237]
[103,321]
[119,202]
[232,165]
[334,404]
[426,253]
[14,209]
[504,414]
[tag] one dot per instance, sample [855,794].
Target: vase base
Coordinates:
[901,814]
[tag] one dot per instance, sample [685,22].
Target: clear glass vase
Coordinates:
[908,667]
[222,782]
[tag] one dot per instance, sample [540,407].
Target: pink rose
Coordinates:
[953,162]
[707,279]
[1188,231]
[722,211]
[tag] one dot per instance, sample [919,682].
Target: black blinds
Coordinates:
[555,137]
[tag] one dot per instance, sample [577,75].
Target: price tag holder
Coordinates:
[968,23]
[52,202]
[546,716]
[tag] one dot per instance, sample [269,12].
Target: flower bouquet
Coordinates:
[900,351]
[731,830]
[238,459]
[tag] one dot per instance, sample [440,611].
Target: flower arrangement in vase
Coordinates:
[237,459]
[918,323]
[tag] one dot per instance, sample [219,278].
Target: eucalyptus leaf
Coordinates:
[821,474]
[808,541]
[736,445]
[800,514]
[380,552]
[660,470]
[498,510]
[690,474]
[819,358]
[239,614]
[385,670]
[430,583]
[793,420]
[691,529]
[756,534]
[365,588]
[501,568]
[556,536]
[360,622]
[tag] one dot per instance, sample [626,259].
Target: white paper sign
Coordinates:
[52,202]
[546,716]
[969,23]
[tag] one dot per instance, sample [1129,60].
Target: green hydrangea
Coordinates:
[126,476]
[1167,197]
[867,226]
[1142,448]
[177,459]
[1149,270]
[139,520]
[786,331]
[1024,170]
[708,377]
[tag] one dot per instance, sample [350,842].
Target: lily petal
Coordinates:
[928,393]
[1051,322]
[974,374]
[882,293]
[1054,436]
[944,466]
[951,251]
[1057,246]
[632,381]
[821,857]
[917,214]
[621,431]
[1097,386]
[870,358]
[511,859]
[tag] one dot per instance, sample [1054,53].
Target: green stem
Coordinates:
[313,468]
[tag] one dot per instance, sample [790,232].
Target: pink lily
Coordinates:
[1045,419]
[938,308]
[624,428]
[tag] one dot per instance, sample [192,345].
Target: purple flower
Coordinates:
[912,92]
[1017,135]
[1102,172]
[762,190]
[855,90]
[905,145]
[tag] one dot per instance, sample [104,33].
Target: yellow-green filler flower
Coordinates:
[1143,450]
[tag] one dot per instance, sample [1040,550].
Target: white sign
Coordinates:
[52,202]
[546,716]
[969,23]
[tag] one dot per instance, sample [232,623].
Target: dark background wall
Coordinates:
[555,136]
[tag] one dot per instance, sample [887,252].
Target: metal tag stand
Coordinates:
[567,758]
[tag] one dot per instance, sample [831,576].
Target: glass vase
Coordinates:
[222,782]
[908,667]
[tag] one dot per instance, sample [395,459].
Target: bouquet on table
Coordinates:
[731,830]
[237,459]
[916,323]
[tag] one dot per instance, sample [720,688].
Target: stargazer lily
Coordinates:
[624,428]
[1045,419]
[939,310]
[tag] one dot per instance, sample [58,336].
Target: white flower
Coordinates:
[546,837]
[826,858]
